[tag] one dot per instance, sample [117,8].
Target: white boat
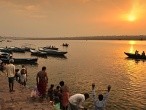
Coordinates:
[38,53]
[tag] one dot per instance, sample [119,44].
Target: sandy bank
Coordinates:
[20,99]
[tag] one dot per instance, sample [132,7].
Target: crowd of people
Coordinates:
[58,96]
[20,75]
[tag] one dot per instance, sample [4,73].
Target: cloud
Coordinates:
[31,8]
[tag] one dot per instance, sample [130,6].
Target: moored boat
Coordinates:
[65,44]
[7,50]
[38,53]
[134,56]
[5,55]
[50,47]
[17,49]
[52,52]
[21,60]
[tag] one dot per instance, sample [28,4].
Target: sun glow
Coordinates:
[132,42]
[131,18]
[134,13]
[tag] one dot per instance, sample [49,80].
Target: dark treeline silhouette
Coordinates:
[114,37]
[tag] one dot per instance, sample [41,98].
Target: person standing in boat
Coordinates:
[136,52]
[143,54]
[42,80]
[10,72]
[100,102]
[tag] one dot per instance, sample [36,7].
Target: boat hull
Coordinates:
[131,55]
[21,60]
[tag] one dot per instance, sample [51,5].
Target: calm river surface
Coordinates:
[99,62]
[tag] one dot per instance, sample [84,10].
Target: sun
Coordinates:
[131,18]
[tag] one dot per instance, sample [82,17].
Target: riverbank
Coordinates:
[20,99]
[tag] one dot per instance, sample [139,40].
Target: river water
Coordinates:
[97,61]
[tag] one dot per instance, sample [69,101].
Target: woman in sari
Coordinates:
[42,80]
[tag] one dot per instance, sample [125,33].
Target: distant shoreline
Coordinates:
[139,37]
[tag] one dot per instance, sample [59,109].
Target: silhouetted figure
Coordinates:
[143,54]
[136,52]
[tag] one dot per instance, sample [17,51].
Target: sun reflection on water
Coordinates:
[132,43]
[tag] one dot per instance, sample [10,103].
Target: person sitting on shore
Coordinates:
[101,101]
[51,92]
[143,54]
[57,94]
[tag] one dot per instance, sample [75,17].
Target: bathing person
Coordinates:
[42,80]
[10,72]
[100,102]
[76,101]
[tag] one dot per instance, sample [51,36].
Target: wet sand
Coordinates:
[20,99]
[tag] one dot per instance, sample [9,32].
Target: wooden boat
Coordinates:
[50,47]
[132,55]
[53,52]
[5,55]
[66,45]
[17,49]
[21,60]
[38,53]
[7,50]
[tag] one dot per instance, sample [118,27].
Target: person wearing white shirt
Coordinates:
[10,72]
[76,101]
[100,102]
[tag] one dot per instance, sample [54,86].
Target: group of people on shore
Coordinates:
[60,96]
[14,74]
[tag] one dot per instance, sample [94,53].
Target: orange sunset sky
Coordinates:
[69,18]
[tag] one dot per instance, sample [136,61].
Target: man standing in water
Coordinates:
[101,101]
[42,80]
[10,71]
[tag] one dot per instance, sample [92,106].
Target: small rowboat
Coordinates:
[132,55]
